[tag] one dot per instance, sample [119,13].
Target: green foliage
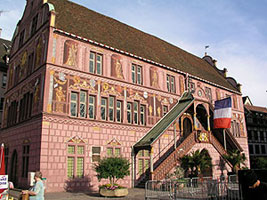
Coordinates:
[259,163]
[196,162]
[177,174]
[236,158]
[112,168]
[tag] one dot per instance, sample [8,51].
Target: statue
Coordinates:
[60,96]
[118,69]
[155,82]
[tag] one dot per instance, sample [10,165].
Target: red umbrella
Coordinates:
[2,163]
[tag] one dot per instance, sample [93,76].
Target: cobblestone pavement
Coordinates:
[134,194]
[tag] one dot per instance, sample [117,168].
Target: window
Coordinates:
[143,161]
[208,93]
[129,113]
[30,63]
[103,108]
[113,151]
[137,74]
[119,111]
[142,115]
[171,83]
[251,149]
[25,106]
[135,112]
[111,109]
[95,63]
[4,79]
[263,150]
[257,149]
[83,100]
[25,160]
[73,104]
[2,103]
[34,24]
[165,110]
[96,154]
[75,156]
[91,110]
[21,38]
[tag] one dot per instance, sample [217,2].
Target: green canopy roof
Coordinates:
[161,126]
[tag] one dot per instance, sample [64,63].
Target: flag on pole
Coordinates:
[223,113]
[2,163]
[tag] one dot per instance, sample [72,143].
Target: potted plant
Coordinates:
[113,169]
[236,158]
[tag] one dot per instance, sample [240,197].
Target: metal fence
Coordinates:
[195,188]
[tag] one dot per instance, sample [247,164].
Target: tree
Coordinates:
[112,168]
[196,162]
[236,158]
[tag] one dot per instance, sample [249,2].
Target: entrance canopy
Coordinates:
[164,123]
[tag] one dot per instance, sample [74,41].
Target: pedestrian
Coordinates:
[37,192]
[256,188]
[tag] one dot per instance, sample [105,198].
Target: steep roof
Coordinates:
[3,43]
[256,108]
[81,21]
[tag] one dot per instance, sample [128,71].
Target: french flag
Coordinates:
[223,113]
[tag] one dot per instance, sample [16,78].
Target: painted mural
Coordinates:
[60,88]
[116,67]
[70,53]
[154,77]
[38,53]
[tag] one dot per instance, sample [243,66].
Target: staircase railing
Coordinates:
[170,162]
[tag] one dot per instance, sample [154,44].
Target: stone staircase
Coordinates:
[171,161]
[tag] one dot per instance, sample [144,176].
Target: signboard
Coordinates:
[3,181]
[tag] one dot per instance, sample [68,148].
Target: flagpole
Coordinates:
[2,148]
[224,139]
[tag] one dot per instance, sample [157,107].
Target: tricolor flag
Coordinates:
[223,113]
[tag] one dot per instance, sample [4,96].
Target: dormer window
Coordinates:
[34,24]
[21,38]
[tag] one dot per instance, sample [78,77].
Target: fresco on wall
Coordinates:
[60,92]
[38,53]
[23,63]
[116,66]
[181,83]
[154,77]
[108,89]
[70,53]
[218,94]
[10,77]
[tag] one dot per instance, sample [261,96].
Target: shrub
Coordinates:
[112,168]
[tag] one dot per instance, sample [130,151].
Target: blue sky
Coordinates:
[236,31]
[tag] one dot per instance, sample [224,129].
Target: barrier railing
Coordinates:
[199,189]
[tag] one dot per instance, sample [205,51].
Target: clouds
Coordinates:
[236,31]
[11,16]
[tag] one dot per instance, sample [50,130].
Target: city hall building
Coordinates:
[82,86]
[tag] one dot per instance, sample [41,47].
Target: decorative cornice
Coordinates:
[139,58]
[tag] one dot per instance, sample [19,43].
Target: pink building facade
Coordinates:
[72,100]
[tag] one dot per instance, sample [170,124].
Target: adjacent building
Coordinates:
[83,86]
[256,120]
[5,46]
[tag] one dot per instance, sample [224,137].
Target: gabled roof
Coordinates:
[256,109]
[166,121]
[81,21]
[3,45]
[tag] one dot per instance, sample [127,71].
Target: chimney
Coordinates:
[225,72]
[0,32]
[239,87]
[214,62]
